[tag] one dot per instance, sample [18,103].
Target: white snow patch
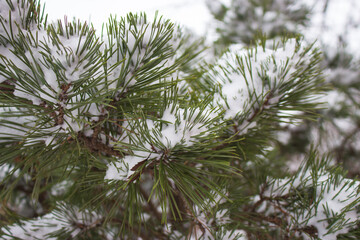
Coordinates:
[337,199]
[42,227]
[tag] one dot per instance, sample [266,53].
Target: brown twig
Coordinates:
[98,146]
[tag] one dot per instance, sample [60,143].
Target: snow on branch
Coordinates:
[330,202]
[176,127]
[267,76]
[65,220]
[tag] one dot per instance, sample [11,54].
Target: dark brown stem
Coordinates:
[98,146]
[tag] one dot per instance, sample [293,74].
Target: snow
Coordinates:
[36,229]
[176,126]
[7,170]
[13,124]
[235,234]
[65,66]
[122,168]
[128,55]
[131,161]
[212,227]
[331,199]
[237,87]
[16,16]
[46,77]
[62,219]
[240,73]
[116,171]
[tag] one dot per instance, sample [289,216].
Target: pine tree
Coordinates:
[131,134]
[335,131]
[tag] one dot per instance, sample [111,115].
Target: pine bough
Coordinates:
[131,135]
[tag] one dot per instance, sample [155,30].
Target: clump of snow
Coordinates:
[206,227]
[51,67]
[55,68]
[17,12]
[176,126]
[246,77]
[237,87]
[14,124]
[63,219]
[123,168]
[330,200]
[133,45]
